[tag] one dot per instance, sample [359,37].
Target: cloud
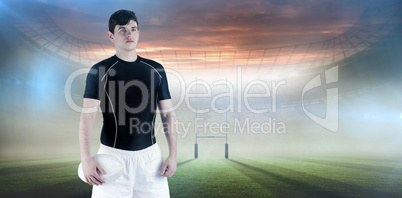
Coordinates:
[210,24]
[250,24]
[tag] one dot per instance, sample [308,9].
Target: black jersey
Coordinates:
[128,94]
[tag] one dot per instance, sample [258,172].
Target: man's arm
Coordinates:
[168,117]
[87,121]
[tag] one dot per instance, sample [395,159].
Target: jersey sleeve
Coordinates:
[92,84]
[163,91]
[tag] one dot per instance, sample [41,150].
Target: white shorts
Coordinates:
[141,176]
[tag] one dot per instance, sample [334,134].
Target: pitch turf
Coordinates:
[213,177]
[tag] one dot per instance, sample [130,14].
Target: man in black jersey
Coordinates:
[128,89]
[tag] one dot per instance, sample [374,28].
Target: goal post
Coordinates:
[208,136]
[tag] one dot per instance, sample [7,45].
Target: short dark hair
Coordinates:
[121,17]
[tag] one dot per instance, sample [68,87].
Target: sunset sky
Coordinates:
[209,24]
[277,37]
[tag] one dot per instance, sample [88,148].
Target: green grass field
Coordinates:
[215,177]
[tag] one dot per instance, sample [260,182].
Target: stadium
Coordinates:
[316,116]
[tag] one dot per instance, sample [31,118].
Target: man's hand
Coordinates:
[169,167]
[90,167]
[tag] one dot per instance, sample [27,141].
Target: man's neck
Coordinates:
[127,56]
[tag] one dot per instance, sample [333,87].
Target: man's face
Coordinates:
[125,37]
